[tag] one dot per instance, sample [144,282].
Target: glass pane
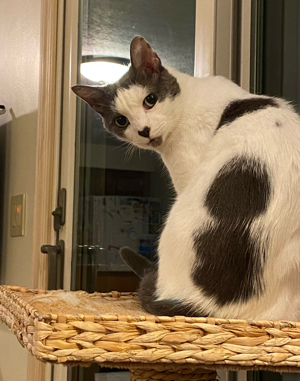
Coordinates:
[277,49]
[121,194]
[276,72]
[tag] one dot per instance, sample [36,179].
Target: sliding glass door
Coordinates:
[122,195]
[118,196]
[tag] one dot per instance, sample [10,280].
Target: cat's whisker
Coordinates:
[130,152]
[122,146]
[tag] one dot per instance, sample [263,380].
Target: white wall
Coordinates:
[19,80]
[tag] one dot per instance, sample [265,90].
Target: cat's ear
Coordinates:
[143,57]
[94,96]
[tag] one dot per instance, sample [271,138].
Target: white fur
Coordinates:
[193,156]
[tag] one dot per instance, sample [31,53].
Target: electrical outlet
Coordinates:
[17,216]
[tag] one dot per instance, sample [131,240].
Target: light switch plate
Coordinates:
[17,216]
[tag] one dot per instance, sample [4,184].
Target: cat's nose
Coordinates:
[145,133]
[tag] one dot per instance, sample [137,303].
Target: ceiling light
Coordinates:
[103,70]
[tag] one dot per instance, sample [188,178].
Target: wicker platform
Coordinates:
[113,331]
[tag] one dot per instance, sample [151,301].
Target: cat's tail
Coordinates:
[139,264]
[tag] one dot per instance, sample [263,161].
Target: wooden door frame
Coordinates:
[205,38]
[68,141]
[47,158]
[68,123]
[58,41]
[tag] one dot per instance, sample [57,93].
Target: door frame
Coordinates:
[68,126]
[47,159]
[205,37]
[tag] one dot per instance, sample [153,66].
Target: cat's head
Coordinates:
[139,108]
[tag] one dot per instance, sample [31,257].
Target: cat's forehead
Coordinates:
[128,99]
[163,84]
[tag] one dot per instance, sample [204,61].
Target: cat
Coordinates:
[230,244]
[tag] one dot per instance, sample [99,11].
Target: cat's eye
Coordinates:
[150,101]
[121,121]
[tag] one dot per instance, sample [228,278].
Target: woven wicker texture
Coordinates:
[112,330]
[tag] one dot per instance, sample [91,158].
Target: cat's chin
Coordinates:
[156,142]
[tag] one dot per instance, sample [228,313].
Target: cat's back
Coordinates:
[261,133]
[234,230]
[227,111]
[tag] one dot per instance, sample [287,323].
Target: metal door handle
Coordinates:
[55,264]
[2,109]
[59,213]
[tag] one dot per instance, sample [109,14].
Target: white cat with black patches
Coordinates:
[230,245]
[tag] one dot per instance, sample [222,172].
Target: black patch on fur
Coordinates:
[240,107]
[229,261]
[146,294]
[239,192]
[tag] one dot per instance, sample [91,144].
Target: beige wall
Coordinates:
[19,79]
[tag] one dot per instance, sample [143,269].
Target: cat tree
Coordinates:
[77,328]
